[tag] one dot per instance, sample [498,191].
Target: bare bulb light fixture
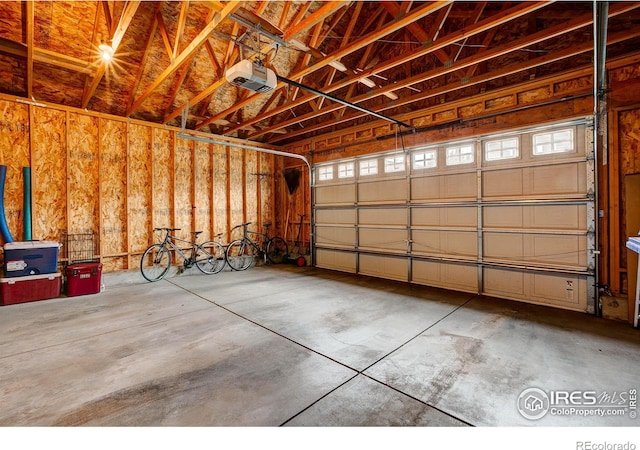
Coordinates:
[106,52]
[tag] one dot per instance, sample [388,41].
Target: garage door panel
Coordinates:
[558,180]
[383,216]
[384,267]
[335,194]
[565,250]
[382,239]
[562,250]
[335,260]
[336,216]
[456,186]
[559,290]
[503,183]
[445,243]
[459,216]
[569,217]
[382,191]
[446,275]
[336,236]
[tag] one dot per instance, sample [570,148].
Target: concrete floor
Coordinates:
[300,347]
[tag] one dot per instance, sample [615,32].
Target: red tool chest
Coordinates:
[83,278]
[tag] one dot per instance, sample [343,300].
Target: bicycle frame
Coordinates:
[169,240]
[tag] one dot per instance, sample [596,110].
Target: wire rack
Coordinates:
[79,247]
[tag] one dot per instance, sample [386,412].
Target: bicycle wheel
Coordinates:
[155,262]
[210,258]
[240,255]
[277,250]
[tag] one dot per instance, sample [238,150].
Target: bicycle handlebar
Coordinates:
[166,229]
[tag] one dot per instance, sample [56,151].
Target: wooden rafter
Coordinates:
[356,45]
[186,53]
[155,24]
[180,29]
[444,41]
[29,17]
[504,71]
[116,38]
[164,34]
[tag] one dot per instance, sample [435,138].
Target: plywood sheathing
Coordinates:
[49,173]
[83,173]
[113,192]
[236,190]
[203,179]
[183,194]
[14,153]
[251,180]
[221,193]
[140,190]
[162,183]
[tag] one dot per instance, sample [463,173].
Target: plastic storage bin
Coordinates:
[83,278]
[30,288]
[30,258]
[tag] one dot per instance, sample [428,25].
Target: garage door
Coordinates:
[508,215]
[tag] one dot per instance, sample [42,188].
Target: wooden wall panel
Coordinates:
[252,179]
[236,190]
[183,185]
[220,193]
[266,188]
[203,181]
[83,173]
[14,153]
[162,170]
[140,166]
[113,194]
[48,174]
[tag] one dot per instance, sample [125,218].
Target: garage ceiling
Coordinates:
[386,56]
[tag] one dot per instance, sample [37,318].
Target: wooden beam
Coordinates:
[480,27]
[29,17]
[326,10]
[152,31]
[123,25]
[180,29]
[164,34]
[505,71]
[356,45]
[186,53]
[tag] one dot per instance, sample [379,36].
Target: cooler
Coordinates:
[30,288]
[30,258]
[83,278]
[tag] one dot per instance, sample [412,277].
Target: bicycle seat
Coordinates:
[266,224]
[195,233]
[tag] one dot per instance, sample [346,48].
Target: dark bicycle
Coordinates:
[242,253]
[208,257]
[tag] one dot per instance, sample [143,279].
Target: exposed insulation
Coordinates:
[49,174]
[220,194]
[183,187]
[203,182]
[113,185]
[14,153]
[83,173]
[139,160]
[162,181]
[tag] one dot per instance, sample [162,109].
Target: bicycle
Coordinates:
[241,253]
[208,257]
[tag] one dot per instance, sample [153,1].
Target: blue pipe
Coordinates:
[26,172]
[4,228]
